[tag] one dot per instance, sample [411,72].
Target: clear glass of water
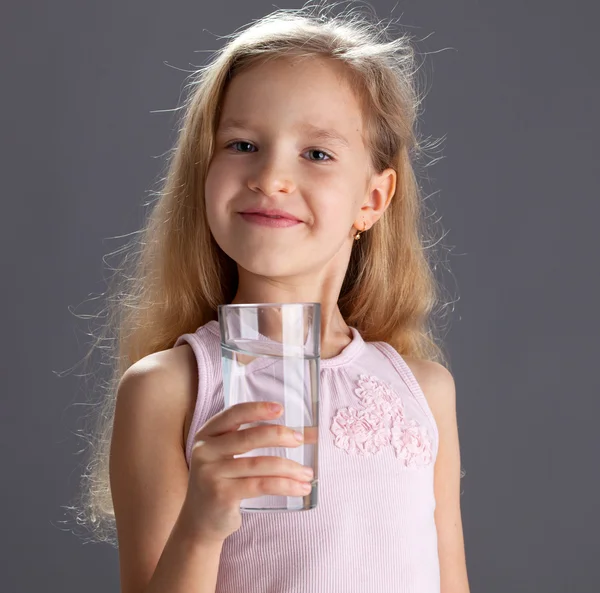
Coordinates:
[271,352]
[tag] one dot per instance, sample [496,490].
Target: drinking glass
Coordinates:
[271,352]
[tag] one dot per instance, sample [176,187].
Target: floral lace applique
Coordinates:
[381,422]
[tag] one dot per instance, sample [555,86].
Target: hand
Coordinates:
[218,481]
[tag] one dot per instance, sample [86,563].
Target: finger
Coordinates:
[260,465]
[311,435]
[260,486]
[241,441]
[232,418]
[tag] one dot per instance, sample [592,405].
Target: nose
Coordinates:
[271,176]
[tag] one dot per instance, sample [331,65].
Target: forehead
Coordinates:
[310,95]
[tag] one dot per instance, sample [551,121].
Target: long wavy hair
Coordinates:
[173,274]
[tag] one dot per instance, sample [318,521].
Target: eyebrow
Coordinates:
[323,134]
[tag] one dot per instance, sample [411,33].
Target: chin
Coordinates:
[267,265]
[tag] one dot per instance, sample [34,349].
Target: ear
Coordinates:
[381,191]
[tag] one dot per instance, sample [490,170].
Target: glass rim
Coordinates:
[242,305]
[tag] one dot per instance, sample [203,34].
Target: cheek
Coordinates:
[335,209]
[217,191]
[209,195]
[214,180]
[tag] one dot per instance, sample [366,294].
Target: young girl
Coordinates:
[311,117]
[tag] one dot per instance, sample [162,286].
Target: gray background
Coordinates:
[516,99]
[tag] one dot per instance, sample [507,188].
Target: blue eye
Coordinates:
[238,142]
[329,157]
[314,150]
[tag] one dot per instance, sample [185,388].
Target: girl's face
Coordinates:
[271,152]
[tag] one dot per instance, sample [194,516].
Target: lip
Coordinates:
[271,212]
[263,220]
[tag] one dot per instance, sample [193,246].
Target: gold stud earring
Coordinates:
[359,233]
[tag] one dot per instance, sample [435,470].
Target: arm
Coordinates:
[438,386]
[149,479]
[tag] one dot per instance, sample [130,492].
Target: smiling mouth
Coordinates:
[269,220]
[270,215]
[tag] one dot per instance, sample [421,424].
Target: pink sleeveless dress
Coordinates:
[373,529]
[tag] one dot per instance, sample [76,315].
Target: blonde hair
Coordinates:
[174,274]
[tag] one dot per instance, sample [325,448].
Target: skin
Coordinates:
[278,164]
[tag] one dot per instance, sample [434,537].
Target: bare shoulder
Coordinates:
[176,371]
[437,384]
[174,364]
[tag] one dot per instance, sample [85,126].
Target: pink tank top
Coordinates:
[373,529]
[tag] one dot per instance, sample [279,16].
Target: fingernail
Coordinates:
[298,436]
[275,407]
[308,472]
